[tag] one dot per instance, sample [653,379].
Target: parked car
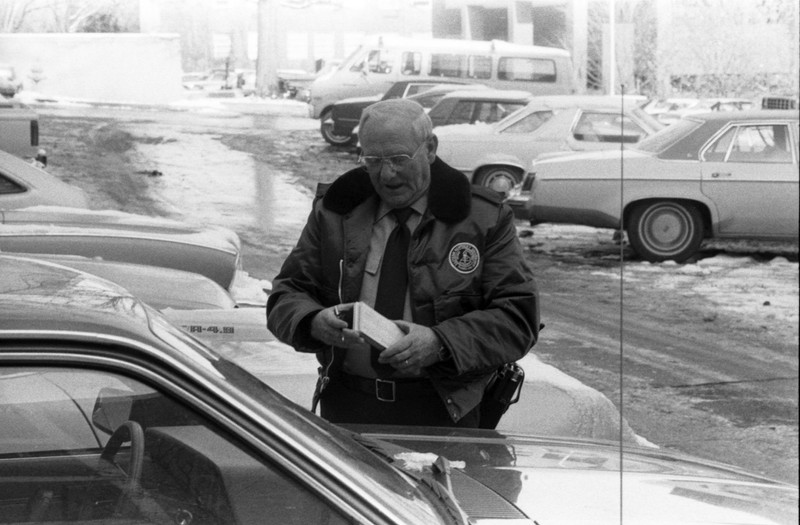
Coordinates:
[157,286]
[726,175]
[23,184]
[19,131]
[499,155]
[473,106]
[337,124]
[116,236]
[10,84]
[704,105]
[113,415]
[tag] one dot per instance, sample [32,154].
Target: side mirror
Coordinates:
[111,409]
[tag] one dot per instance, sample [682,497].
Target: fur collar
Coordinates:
[449,196]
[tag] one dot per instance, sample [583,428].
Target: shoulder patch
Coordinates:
[464,257]
[487,194]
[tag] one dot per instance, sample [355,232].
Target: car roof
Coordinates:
[563,101]
[490,94]
[747,115]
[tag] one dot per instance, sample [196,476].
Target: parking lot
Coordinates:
[709,348]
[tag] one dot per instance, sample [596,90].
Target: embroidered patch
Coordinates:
[464,257]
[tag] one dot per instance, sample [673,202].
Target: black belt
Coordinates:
[388,390]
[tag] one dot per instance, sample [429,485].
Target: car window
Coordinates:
[606,127]
[378,61]
[412,63]
[462,112]
[165,464]
[492,111]
[761,143]
[479,67]
[668,136]
[526,69]
[8,186]
[718,150]
[448,65]
[529,123]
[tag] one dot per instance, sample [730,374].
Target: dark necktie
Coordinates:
[391,297]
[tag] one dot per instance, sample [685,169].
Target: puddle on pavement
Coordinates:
[204,182]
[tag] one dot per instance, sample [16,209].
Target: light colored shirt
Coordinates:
[359,362]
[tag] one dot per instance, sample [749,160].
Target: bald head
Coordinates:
[400,114]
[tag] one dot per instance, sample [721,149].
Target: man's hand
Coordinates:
[328,327]
[416,350]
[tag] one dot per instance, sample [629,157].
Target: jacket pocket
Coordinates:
[453,305]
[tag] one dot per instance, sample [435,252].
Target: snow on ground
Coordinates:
[745,281]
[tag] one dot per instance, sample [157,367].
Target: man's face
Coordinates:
[397,185]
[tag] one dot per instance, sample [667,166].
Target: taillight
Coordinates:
[34,132]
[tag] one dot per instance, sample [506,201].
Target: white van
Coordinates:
[379,62]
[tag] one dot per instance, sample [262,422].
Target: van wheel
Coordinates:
[665,230]
[499,178]
[326,128]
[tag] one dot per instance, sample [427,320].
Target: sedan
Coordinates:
[337,124]
[727,175]
[124,237]
[485,106]
[22,185]
[498,155]
[113,415]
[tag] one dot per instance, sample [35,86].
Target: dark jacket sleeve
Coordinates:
[506,325]
[295,296]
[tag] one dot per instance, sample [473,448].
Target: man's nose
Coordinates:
[388,171]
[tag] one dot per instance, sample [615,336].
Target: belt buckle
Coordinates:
[380,386]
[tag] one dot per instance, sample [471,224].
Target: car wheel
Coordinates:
[665,230]
[326,128]
[499,178]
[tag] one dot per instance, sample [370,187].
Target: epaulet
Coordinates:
[322,187]
[486,194]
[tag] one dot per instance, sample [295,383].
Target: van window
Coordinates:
[479,67]
[526,69]
[444,65]
[378,61]
[412,63]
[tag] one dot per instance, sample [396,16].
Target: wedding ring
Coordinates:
[343,338]
[336,311]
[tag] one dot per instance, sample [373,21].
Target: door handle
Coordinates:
[717,174]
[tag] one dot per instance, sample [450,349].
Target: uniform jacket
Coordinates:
[468,278]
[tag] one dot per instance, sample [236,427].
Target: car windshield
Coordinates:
[668,136]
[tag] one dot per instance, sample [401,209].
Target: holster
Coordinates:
[503,390]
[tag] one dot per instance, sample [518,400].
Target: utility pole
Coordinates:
[267,61]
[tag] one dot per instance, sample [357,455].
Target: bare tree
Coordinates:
[14,14]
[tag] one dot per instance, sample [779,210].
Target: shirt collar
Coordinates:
[419,206]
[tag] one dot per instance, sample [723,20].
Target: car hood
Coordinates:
[574,481]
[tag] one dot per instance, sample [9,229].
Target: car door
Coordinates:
[87,443]
[750,173]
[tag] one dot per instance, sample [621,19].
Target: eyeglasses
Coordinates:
[397,162]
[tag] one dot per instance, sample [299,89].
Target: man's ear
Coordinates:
[433,145]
